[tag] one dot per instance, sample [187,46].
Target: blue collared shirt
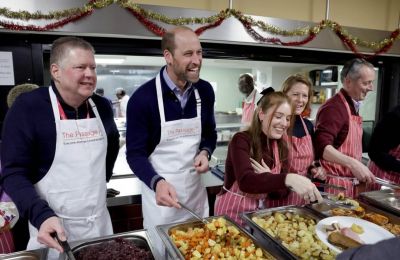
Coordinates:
[182,97]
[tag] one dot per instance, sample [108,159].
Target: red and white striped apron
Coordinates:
[248,110]
[6,242]
[386,175]
[301,155]
[352,147]
[234,201]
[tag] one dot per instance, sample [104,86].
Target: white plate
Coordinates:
[372,232]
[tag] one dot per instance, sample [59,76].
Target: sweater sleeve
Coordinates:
[240,166]
[18,149]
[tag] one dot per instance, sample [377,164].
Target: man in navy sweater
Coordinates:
[59,147]
[171,134]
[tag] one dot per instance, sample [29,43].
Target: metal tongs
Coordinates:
[65,246]
[386,183]
[193,213]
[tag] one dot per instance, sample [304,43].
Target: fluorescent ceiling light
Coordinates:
[110,60]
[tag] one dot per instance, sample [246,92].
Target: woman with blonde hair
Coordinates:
[256,158]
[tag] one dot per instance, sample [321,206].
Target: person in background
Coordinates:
[123,99]
[20,230]
[58,150]
[171,134]
[254,167]
[301,152]
[384,149]
[100,92]
[246,87]
[338,141]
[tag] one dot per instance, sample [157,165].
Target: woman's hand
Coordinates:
[259,168]
[304,187]
[318,173]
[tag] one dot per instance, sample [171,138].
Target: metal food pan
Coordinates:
[261,235]
[165,230]
[325,209]
[39,254]
[139,238]
[385,199]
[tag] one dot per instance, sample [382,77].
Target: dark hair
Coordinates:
[62,45]
[258,139]
[298,78]
[100,91]
[265,92]
[352,68]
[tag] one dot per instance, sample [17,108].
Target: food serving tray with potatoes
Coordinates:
[292,228]
[221,238]
[359,210]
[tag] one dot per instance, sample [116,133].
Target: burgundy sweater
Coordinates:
[332,123]
[238,168]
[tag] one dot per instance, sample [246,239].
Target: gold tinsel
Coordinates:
[24,15]
[301,31]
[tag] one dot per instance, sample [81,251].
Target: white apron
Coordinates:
[75,185]
[173,159]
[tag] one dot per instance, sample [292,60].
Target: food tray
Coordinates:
[139,238]
[174,253]
[262,235]
[385,199]
[39,254]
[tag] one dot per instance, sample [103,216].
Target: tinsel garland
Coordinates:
[51,26]
[55,15]
[145,17]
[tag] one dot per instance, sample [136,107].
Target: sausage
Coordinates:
[342,241]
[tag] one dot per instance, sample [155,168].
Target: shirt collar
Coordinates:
[171,84]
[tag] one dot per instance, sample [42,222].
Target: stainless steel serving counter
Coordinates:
[128,184]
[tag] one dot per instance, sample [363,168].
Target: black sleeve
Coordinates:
[385,138]
[386,249]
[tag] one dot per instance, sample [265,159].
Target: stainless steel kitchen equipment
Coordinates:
[38,254]
[194,214]
[139,238]
[166,230]
[266,238]
[385,199]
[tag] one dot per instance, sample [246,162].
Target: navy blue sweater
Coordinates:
[29,142]
[143,123]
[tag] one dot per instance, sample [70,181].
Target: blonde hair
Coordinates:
[298,78]
[18,90]
[258,138]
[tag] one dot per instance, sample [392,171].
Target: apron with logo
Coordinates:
[248,110]
[386,175]
[173,159]
[352,146]
[301,155]
[234,201]
[75,185]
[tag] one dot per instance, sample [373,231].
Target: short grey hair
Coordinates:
[352,68]
[62,45]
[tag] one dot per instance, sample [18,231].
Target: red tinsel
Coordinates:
[202,29]
[157,30]
[51,26]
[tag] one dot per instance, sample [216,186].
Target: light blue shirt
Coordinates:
[182,97]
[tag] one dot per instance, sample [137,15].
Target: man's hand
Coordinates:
[48,227]
[166,195]
[201,162]
[361,172]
